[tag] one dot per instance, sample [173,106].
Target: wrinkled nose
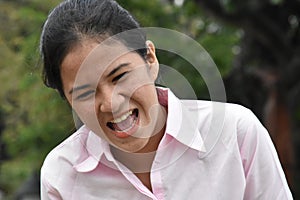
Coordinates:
[110,101]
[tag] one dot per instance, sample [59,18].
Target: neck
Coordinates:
[140,161]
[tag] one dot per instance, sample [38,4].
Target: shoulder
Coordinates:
[63,157]
[234,114]
[227,120]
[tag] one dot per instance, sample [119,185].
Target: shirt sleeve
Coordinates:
[47,191]
[264,175]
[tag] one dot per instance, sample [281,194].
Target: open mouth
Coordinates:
[124,123]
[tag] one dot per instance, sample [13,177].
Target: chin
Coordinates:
[133,147]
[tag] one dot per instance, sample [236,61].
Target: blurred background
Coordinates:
[254,43]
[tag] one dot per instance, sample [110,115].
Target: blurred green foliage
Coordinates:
[35,117]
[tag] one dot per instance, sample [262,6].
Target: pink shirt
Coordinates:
[209,151]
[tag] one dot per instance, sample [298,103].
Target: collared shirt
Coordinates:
[209,151]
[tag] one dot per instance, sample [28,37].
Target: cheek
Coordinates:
[136,79]
[146,94]
[146,99]
[87,113]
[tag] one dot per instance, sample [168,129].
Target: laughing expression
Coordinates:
[112,90]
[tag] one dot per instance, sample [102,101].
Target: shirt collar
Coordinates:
[182,123]
[94,147]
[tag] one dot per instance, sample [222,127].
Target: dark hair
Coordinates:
[74,20]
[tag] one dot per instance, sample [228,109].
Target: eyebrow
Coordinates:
[117,69]
[79,88]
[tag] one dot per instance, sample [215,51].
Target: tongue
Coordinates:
[125,124]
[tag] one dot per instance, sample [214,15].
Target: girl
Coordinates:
[139,141]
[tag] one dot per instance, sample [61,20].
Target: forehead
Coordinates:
[90,57]
[90,53]
[75,57]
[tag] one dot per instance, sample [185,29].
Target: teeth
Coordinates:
[122,118]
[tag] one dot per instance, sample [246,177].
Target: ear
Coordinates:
[151,59]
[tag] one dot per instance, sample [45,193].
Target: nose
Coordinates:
[110,100]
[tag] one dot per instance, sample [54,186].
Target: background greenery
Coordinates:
[34,119]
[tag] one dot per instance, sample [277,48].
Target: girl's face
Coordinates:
[112,91]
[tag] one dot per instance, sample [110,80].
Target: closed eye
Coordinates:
[85,95]
[115,79]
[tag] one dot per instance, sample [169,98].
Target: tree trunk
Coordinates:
[278,122]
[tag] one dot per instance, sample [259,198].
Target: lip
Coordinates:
[129,131]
